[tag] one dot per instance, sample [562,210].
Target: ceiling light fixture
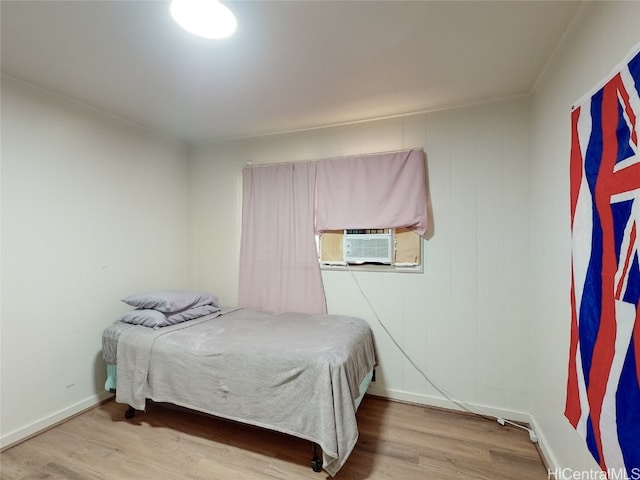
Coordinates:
[206,18]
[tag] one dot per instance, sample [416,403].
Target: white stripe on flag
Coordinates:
[625,316]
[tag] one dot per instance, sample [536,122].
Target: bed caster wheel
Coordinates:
[129,413]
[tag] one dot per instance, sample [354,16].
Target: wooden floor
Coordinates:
[397,442]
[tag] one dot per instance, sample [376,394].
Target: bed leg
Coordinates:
[316,460]
[130,412]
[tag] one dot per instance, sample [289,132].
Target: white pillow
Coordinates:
[170,301]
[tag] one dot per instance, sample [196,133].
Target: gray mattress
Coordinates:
[294,373]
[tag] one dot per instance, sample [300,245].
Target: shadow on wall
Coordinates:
[99,374]
[430,230]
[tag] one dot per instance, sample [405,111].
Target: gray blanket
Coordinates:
[293,373]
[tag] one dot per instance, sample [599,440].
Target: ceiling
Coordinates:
[291,65]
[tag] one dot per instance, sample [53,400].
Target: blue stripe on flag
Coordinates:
[632,295]
[634,70]
[624,136]
[628,412]
[591,440]
[621,212]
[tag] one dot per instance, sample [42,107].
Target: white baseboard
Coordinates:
[543,447]
[22,434]
[440,402]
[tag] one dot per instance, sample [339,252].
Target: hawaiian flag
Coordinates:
[603,388]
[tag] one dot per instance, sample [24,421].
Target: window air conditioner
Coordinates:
[368,247]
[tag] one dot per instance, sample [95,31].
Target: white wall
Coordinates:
[93,208]
[600,37]
[464,319]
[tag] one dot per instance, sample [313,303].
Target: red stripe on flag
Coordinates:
[630,113]
[626,179]
[604,348]
[572,410]
[627,261]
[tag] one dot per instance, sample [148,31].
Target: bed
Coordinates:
[298,374]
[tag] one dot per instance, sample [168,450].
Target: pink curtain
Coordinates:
[372,191]
[279,268]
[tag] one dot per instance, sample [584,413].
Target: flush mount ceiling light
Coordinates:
[206,18]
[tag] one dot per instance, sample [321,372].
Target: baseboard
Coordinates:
[431,401]
[17,436]
[549,459]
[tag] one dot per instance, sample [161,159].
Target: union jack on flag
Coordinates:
[603,388]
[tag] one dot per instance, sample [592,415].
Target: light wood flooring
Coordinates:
[397,442]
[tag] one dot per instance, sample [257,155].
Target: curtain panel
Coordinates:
[279,268]
[386,190]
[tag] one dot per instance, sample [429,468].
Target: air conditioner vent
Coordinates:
[368,248]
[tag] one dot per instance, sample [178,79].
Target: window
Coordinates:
[367,250]
[381,191]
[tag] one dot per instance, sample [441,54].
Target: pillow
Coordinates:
[156,319]
[170,301]
[191,313]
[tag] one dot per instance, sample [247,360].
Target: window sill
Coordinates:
[373,268]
